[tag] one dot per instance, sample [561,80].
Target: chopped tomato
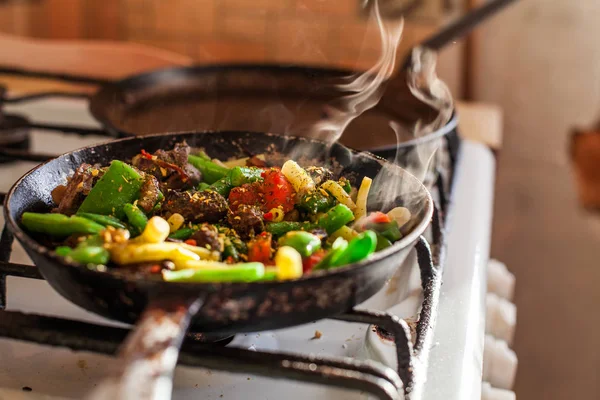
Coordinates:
[191,242]
[248,193]
[378,217]
[259,248]
[309,262]
[155,269]
[277,191]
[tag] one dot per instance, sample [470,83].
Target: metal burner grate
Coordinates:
[368,376]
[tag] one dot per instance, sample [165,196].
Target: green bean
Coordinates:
[119,185]
[90,255]
[211,172]
[63,251]
[59,225]
[203,186]
[304,243]
[270,274]
[240,175]
[222,186]
[202,155]
[246,272]
[229,250]
[358,249]
[136,217]
[281,228]
[335,218]
[182,233]
[106,220]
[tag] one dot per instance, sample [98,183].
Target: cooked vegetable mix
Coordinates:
[187,217]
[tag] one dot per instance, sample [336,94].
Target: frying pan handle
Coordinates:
[149,354]
[459,28]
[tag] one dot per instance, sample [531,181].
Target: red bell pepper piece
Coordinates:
[309,262]
[378,217]
[277,191]
[259,248]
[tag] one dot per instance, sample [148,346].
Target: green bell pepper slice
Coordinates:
[337,248]
[303,242]
[382,242]
[119,185]
[358,249]
[335,218]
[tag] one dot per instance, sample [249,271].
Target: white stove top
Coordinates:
[454,363]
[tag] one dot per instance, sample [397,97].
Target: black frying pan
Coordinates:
[163,310]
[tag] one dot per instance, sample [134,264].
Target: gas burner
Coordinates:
[14,134]
[14,130]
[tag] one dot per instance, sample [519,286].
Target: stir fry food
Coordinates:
[186,217]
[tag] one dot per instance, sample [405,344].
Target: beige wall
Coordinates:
[541,62]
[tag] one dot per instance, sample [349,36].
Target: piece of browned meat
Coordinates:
[208,236]
[78,186]
[170,168]
[319,174]
[149,193]
[246,220]
[205,206]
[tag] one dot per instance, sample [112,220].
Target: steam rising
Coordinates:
[365,90]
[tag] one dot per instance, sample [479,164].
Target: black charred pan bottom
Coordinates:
[229,307]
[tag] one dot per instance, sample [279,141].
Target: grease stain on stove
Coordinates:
[82,365]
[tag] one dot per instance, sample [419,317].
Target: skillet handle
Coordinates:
[149,354]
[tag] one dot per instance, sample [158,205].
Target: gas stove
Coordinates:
[415,336]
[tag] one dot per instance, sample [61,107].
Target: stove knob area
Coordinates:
[490,393]
[500,280]
[500,317]
[499,363]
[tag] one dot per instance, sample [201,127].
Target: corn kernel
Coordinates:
[156,231]
[175,222]
[289,263]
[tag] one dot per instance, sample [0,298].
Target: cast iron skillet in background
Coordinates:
[164,310]
[266,98]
